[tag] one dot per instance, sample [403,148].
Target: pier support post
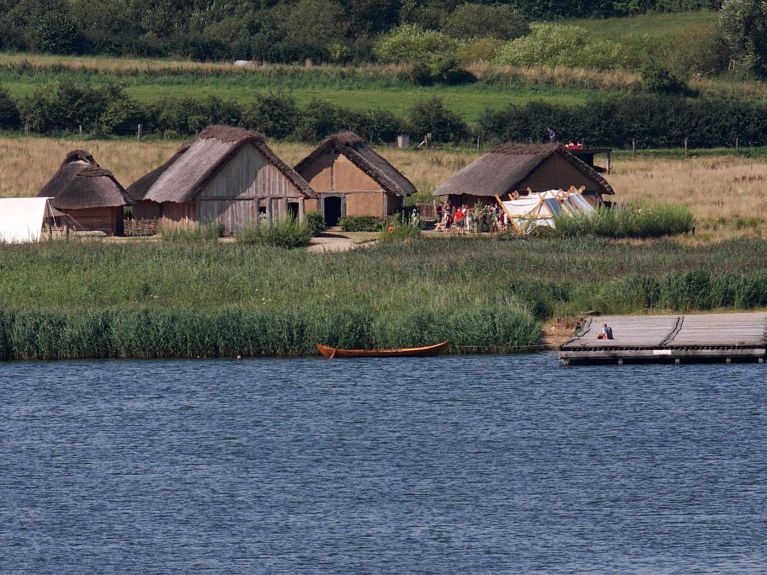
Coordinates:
[677,361]
[564,362]
[728,360]
[761,360]
[620,362]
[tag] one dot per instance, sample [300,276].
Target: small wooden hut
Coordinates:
[228,175]
[88,194]
[352,179]
[523,168]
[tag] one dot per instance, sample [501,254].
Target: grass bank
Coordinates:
[92,299]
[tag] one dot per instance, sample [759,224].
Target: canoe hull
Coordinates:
[429,350]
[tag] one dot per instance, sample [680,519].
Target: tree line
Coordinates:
[620,120]
[279,31]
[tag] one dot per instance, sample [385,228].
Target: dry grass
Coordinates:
[725,193]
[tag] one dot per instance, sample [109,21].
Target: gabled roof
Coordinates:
[80,183]
[505,168]
[197,162]
[362,155]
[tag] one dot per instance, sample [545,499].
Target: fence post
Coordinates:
[685,146]
[81,130]
[737,145]
[140,130]
[633,147]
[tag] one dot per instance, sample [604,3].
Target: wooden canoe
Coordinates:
[331,352]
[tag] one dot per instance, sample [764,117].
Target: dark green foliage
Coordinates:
[431,117]
[659,80]
[504,22]
[744,27]
[360,224]
[440,70]
[315,222]
[10,119]
[57,33]
[274,115]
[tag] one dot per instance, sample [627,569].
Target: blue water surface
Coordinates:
[443,465]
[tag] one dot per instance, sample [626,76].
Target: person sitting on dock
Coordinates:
[606,332]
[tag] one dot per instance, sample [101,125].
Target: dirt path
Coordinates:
[338,243]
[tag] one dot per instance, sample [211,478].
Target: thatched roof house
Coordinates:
[521,167]
[90,195]
[353,179]
[225,174]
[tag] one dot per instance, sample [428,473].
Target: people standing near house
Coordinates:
[469,219]
[458,220]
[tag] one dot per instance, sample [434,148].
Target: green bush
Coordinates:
[568,46]
[315,222]
[431,116]
[630,221]
[10,119]
[411,43]
[284,233]
[399,228]
[360,224]
[275,115]
[504,22]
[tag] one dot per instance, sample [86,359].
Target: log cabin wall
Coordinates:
[107,220]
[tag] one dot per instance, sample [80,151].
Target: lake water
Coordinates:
[444,465]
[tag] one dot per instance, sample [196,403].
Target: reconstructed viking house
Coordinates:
[523,168]
[352,179]
[88,194]
[228,175]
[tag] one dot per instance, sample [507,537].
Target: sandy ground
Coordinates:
[341,242]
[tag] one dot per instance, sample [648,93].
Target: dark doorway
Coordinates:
[293,210]
[332,211]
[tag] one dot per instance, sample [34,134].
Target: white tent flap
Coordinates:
[21,219]
[540,209]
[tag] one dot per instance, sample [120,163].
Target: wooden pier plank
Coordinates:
[725,336]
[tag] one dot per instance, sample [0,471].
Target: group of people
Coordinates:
[480,218]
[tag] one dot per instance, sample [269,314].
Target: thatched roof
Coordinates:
[80,183]
[362,155]
[197,162]
[506,167]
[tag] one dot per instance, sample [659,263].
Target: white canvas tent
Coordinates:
[540,208]
[23,219]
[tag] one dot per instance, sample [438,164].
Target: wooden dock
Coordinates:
[724,337]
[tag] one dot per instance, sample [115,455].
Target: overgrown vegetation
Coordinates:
[205,299]
[360,224]
[285,233]
[628,221]
[191,232]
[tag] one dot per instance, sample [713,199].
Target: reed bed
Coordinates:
[641,220]
[72,299]
[286,233]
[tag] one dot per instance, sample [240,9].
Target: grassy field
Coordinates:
[725,192]
[656,26]
[150,299]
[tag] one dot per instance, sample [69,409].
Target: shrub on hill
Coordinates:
[502,21]
[9,112]
[568,46]
[431,117]
[411,43]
